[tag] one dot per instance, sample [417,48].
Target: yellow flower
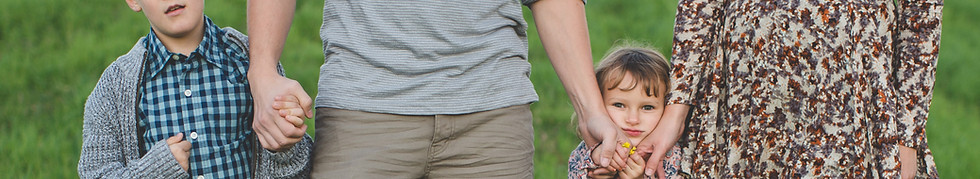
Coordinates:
[632,149]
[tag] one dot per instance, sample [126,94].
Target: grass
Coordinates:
[52,52]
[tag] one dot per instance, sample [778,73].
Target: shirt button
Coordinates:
[187,92]
[193,135]
[200,177]
[176,57]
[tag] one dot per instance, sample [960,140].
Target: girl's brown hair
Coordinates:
[647,66]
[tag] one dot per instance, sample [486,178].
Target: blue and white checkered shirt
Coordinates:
[204,95]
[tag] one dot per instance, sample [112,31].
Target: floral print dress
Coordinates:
[804,88]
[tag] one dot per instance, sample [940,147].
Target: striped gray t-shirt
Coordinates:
[424,57]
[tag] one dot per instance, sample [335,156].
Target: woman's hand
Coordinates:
[663,138]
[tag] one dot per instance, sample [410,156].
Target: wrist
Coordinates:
[261,70]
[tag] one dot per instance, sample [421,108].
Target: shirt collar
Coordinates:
[210,49]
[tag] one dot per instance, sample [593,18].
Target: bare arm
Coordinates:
[268,26]
[565,36]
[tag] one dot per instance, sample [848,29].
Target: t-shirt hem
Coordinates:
[414,109]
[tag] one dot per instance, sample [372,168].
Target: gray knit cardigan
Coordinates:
[110,147]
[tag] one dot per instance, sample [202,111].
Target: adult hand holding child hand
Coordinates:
[609,153]
[275,132]
[291,111]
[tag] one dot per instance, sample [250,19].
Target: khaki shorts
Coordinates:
[490,144]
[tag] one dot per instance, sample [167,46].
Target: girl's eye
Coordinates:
[619,105]
[648,107]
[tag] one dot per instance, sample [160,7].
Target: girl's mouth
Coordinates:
[174,10]
[633,132]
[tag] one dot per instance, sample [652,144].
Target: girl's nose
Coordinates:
[633,117]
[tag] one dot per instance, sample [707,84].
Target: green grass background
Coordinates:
[53,51]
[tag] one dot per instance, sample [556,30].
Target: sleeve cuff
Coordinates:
[159,161]
[292,163]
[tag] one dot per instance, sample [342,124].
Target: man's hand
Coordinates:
[181,149]
[289,109]
[663,138]
[610,152]
[273,131]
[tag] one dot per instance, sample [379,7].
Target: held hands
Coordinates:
[610,152]
[275,132]
[290,110]
[180,148]
[634,167]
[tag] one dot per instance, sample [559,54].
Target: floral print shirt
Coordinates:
[580,162]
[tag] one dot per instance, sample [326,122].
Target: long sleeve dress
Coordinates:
[802,88]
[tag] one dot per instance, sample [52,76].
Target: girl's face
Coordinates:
[632,110]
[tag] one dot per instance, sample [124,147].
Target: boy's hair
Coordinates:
[646,65]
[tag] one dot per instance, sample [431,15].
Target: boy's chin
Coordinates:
[180,31]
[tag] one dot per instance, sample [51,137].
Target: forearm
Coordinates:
[917,48]
[268,26]
[564,34]
[673,119]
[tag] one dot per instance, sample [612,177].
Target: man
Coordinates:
[427,88]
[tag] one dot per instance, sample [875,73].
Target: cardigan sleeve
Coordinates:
[917,33]
[292,163]
[694,43]
[103,152]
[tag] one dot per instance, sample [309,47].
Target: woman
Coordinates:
[801,88]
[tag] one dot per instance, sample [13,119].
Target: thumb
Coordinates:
[654,161]
[605,151]
[176,138]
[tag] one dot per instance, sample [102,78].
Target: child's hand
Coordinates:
[634,167]
[602,173]
[290,109]
[180,148]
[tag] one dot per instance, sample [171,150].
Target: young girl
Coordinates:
[633,81]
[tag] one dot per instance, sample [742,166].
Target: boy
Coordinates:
[178,105]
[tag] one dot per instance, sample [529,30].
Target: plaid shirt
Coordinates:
[204,95]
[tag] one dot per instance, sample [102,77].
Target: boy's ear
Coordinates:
[134,5]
